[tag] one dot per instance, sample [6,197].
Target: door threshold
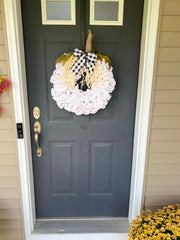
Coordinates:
[81,225]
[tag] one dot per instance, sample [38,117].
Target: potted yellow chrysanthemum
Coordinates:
[163,224]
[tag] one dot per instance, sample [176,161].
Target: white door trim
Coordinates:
[18,75]
[146,71]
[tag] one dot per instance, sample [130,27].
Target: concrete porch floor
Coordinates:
[82,228]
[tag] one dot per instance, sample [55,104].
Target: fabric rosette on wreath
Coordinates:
[83,80]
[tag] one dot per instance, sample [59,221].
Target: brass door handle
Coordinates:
[37,131]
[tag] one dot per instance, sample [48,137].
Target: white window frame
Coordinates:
[19,88]
[119,22]
[46,21]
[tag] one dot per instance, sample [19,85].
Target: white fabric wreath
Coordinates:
[83,102]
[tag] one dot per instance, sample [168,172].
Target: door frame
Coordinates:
[18,77]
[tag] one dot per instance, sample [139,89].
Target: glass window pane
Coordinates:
[58,10]
[106,11]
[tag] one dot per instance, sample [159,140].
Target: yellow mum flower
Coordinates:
[159,225]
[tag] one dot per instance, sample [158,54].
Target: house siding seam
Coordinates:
[11,215]
[162,184]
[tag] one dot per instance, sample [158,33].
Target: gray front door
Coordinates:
[85,169]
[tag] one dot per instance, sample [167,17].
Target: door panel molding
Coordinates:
[18,76]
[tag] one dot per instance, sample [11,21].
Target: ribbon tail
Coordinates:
[78,65]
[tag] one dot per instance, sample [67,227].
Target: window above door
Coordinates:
[106,12]
[58,12]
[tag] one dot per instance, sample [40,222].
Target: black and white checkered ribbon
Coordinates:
[85,59]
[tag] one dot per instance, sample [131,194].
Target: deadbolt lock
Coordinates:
[36,112]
